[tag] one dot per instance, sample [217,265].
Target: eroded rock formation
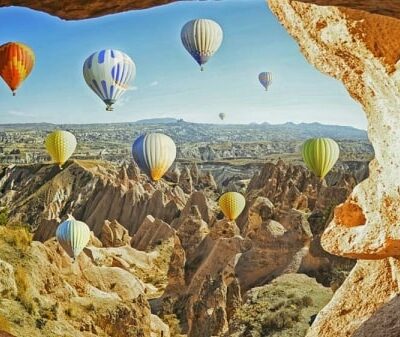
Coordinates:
[75,10]
[359,45]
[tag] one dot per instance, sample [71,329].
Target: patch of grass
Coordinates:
[158,275]
[174,325]
[4,216]
[24,292]
[281,308]
[4,324]
[17,236]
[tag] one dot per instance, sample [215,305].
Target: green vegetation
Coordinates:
[158,276]
[282,308]
[4,324]
[174,325]
[4,216]
[24,291]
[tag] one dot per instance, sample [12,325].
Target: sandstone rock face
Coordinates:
[359,44]
[73,10]
[91,194]
[114,235]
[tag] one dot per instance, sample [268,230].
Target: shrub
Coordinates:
[17,236]
[4,324]
[24,293]
[4,216]
[174,325]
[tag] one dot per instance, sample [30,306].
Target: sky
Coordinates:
[168,81]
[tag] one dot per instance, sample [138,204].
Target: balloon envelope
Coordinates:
[232,204]
[154,153]
[222,116]
[108,73]
[202,38]
[320,155]
[265,79]
[73,236]
[16,63]
[60,145]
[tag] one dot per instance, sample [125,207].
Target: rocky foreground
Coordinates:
[162,261]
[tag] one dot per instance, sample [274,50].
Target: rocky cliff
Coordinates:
[75,10]
[357,42]
[169,241]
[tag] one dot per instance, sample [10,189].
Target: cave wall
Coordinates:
[83,9]
[358,43]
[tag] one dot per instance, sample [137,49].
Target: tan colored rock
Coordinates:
[191,232]
[77,10]
[114,234]
[209,309]
[361,49]
[151,232]
[158,327]
[8,287]
[370,285]
[276,248]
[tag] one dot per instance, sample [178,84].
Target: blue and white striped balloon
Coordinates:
[154,153]
[265,79]
[73,236]
[108,73]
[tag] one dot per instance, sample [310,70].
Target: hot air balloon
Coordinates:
[60,145]
[73,236]
[201,38]
[16,63]
[108,73]
[222,116]
[154,153]
[320,154]
[265,79]
[232,204]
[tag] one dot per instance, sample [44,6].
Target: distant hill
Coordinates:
[166,120]
[183,131]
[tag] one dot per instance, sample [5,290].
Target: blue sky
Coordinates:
[168,81]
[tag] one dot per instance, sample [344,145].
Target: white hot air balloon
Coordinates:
[73,236]
[108,73]
[265,79]
[154,153]
[202,38]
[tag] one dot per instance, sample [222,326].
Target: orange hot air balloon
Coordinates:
[16,63]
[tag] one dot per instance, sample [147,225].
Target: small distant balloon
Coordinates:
[222,116]
[265,79]
[60,145]
[109,73]
[202,39]
[16,63]
[73,236]
[232,204]
[320,155]
[154,153]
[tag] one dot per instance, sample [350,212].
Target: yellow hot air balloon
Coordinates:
[73,236]
[320,154]
[60,145]
[232,204]
[16,63]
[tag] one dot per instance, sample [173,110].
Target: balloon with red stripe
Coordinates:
[16,63]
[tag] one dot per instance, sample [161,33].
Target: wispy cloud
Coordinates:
[153,84]
[19,113]
[122,101]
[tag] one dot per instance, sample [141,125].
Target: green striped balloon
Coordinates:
[320,154]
